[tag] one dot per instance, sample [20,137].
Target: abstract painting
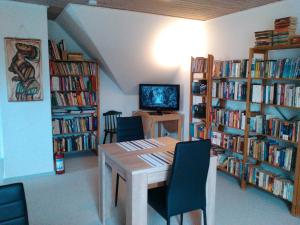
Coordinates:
[23,69]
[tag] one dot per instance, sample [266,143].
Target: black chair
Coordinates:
[110,124]
[186,190]
[13,209]
[128,129]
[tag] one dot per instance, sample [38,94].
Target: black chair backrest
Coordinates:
[110,120]
[13,209]
[129,128]
[187,185]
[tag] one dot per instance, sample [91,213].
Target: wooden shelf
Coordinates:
[200,95]
[74,61]
[199,78]
[275,79]
[279,47]
[74,134]
[73,106]
[228,173]
[71,75]
[228,99]
[267,191]
[74,91]
[270,164]
[229,78]
[73,115]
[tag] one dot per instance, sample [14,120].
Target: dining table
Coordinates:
[135,163]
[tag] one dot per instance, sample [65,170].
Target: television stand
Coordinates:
[172,122]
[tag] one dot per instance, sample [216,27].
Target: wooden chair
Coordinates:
[186,190]
[110,124]
[13,209]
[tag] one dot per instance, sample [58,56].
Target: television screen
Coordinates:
[159,97]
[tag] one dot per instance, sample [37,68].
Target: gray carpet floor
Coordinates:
[71,199]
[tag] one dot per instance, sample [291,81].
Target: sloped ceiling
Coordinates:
[134,47]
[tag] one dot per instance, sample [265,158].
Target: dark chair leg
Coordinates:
[117,190]
[111,137]
[105,135]
[181,219]
[205,217]
[168,221]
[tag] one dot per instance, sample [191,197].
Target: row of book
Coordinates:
[199,65]
[234,143]
[74,125]
[295,39]
[281,68]
[73,112]
[82,83]
[278,94]
[197,130]
[199,87]
[72,68]
[271,182]
[73,99]
[264,38]
[284,29]
[231,68]
[229,118]
[277,128]
[231,164]
[56,50]
[75,143]
[271,152]
[229,90]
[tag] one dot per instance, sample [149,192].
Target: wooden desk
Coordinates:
[139,175]
[166,119]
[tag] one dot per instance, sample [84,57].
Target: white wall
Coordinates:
[231,36]
[26,138]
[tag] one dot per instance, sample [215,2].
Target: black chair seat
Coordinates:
[13,209]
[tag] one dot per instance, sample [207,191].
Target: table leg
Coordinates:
[137,196]
[211,191]
[159,129]
[179,123]
[105,186]
[152,129]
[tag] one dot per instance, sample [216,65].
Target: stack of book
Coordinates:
[69,83]
[75,143]
[231,164]
[197,130]
[199,65]
[74,125]
[231,90]
[295,39]
[73,99]
[199,87]
[272,153]
[271,182]
[231,68]
[284,29]
[56,50]
[231,142]
[282,68]
[263,38]
[229,118]
[72,68]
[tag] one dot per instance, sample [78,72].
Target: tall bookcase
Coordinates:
[200,97]
[74,105]
[264,146]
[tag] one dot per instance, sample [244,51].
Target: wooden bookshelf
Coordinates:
[82,128]
[294,174]
[206,72]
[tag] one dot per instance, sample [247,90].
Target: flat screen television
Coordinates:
[159,97]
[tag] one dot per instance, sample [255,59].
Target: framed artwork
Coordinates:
[23,69]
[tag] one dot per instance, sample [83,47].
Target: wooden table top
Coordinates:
[128,160]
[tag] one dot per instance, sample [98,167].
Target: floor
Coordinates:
[71,199]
